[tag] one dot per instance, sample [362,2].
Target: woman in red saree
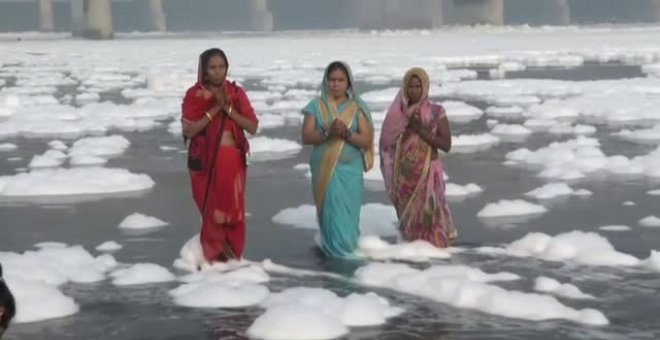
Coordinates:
[216,112]
[413,131]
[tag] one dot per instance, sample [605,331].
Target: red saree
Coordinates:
[222,204]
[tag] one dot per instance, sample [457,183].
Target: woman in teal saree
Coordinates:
[339,126]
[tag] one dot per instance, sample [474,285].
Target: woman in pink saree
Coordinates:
[413,131]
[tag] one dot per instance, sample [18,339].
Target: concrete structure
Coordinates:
[261,19]
[98,19]
[558,12]
[157,14]
[77,17]
[397,14]
[474,12]
[46,18]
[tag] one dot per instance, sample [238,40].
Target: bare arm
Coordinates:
[310,136]
[364,137]
[245,123]
[191,129]
[439,140]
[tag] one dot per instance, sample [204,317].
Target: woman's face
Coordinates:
[216,70]
[414,90]
[337,83]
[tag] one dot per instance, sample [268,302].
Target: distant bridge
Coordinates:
[93,19]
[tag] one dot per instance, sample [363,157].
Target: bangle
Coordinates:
[349,133]
[208,115]
[325,134]
[230,111]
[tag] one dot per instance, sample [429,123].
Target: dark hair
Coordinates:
[6,301]
[206,57]
[338,65]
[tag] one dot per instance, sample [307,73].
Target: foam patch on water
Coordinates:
[576,246]
[615,228]
[6,147]
[104,147]
[375,248]
[468,288]
[508,112]
[576,158]
[654,192]
[141,221]
[460,112]
[324,314]
[553,190]
[643,136]
[650,222]
[504,208]
[473,143]
[75,181]
[216,288]
[109,246]
[567,290]
[375,219]
[141,273]
[35,275]
[50,159]
[456,190]
[262,144]
[510,130]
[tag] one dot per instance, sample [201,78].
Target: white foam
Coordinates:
[456,190]
[643,136]
[552,190]
[653,262]
[508,112]
[375,219]
[35,275]
[141,273]
[505,208]
[324,314]
[628,203]
[650,221]
[417,251]
[109,246]
[5,147]
[614,228]
[58,145]
[75,181]
[466,287]
[473,143]
[460,112]
[38,301]
[567,290]
[141,221]
[284,322]
[262,144]
[104,147]
[212,289]
[510,130]
[654,192]
[50,159]
[578,129]
[578,246]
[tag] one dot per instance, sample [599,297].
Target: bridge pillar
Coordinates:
[475,12]
[655,10]
[158,18]
[261,18]
[77,18]
[559,12]
[98,19]
[46,19]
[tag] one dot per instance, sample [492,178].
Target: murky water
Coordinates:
[627,297]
